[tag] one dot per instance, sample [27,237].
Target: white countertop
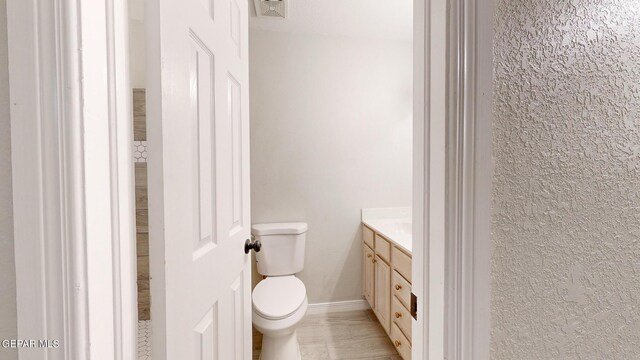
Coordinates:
[392,223]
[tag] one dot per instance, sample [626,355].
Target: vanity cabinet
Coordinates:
[386,285]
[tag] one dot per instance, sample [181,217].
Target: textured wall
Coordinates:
[7,265]
[331,120]
[566,198]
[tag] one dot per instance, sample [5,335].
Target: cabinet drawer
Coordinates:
[401,263]
[383,248]
[401,317]
[400,342]
[401,288]
[367,236]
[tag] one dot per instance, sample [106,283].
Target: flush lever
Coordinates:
[252,244]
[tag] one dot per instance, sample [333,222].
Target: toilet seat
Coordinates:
[278,297]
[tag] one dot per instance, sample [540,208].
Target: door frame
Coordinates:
[429,165]
[469,140]
[452,161]
[72,171]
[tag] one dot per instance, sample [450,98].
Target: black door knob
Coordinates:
[249,245]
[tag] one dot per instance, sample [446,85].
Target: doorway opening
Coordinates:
[331,145]
[137,66]
[331,105]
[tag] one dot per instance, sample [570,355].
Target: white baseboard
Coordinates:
[338,306]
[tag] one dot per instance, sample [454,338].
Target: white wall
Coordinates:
[137,53]
[331,122]
[7,265]
[137,44]
[566,190]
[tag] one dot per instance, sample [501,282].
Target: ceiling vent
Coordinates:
[272,8]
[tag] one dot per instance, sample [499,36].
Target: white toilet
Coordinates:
[280,300]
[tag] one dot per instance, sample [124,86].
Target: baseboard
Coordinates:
[338,306]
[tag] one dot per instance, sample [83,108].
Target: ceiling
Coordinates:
[391,20]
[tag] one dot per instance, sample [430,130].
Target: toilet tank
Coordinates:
[282,251]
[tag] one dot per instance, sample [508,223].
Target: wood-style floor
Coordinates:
[344,335]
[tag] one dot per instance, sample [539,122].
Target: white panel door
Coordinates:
[198,175]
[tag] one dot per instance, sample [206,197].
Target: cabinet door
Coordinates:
[368,276]
[382,291]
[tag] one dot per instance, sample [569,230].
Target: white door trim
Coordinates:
[72,177]
[452,178]
[470,173]
[429,180]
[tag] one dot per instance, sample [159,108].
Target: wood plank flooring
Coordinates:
[340,336]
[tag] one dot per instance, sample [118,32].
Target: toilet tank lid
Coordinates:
[292,228]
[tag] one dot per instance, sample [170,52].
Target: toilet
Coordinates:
[280,300]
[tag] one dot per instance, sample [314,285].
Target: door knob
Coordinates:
[252,245]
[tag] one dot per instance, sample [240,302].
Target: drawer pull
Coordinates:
[398,286]
[397,343]
[398,315]
[375,260]
[368,255]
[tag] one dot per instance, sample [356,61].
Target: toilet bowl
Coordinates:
[280,300]
[279,304]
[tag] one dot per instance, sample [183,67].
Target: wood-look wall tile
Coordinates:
[143,285]
[139,128]
[142,201]
[142,221]
[142,244]
[144,305]
[139,115]
[141,174]
[142,214]
[143,268]
[139,101]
